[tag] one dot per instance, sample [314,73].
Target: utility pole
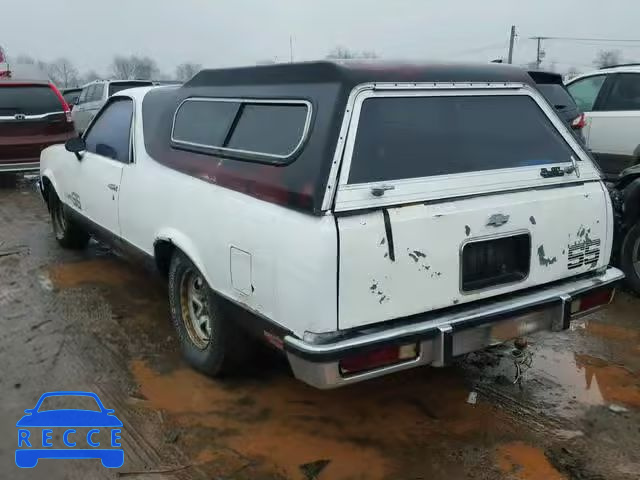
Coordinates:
[540,52]
[291,48]
[512,39]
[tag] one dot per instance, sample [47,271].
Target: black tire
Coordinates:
[68,234]
[630,258]
[8,180]
[226,350]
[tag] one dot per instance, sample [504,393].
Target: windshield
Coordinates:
[28,100]
[413,137]
[71,97]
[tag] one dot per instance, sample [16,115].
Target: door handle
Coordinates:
[113,186]
[379,190]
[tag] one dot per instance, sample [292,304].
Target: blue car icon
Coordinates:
[31,448]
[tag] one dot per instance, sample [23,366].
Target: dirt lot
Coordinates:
[91,321]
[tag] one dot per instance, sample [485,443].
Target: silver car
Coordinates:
[93,97]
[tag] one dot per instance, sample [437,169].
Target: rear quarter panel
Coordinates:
[293,256]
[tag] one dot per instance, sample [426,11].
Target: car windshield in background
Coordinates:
[118,87]
[415,137]
[557,95]
[71,97]
[28,100]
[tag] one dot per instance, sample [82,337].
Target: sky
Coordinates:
[219,33]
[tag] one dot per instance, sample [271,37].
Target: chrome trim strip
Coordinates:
[331,190]
[459,317]
[29,117]
[214,149]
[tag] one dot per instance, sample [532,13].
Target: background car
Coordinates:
[610,98]
[552,87]
[71,95]
[95,94]
[33,116]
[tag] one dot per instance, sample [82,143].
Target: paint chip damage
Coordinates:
[542,257]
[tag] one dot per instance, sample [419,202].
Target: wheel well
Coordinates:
[163,251]
[47,186]
[631,196]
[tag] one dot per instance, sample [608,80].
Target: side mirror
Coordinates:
[76,145]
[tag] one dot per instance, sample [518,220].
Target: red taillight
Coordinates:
[378,358]
[592,300]
[65,106]
[579,122]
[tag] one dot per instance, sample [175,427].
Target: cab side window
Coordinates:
[624,94]
[110,133]
[98,91]
[585,91]
[85,95]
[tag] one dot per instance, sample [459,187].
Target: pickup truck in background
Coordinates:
[361,218]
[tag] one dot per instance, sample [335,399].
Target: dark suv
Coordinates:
[33,115]
[552,88]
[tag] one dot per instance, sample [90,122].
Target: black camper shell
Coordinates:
[294,110]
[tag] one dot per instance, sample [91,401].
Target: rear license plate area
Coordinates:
[494,262]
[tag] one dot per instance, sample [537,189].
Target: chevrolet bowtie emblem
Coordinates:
[497,220]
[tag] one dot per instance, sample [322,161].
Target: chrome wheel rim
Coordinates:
[195,309]
[59,221]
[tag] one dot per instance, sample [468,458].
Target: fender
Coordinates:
[48,174]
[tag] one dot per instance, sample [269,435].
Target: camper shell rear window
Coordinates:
[413,137]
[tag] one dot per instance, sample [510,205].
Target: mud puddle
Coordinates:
[382,429]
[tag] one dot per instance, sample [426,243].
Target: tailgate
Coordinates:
[451,195]
[424,257]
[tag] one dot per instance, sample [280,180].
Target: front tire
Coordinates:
[630,258]
[68,234]
[210,341]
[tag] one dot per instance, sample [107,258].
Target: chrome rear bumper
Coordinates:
[444,335]
[20,166]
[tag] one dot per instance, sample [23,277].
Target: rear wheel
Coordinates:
[630,258]
[209,339]
[68,233]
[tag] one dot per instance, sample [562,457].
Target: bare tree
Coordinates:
[90,76]
[343,53]
[63,73]
[572,73]
[134,67]
[24,60]
[187,70]
[607,58]
[369,54]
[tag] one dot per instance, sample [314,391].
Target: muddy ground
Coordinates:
[92,321]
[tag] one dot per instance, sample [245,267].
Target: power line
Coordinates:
[578,39]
